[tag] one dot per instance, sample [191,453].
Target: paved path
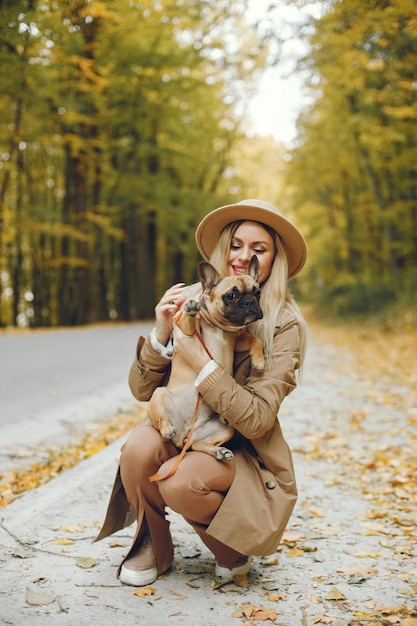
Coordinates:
[348,557]
[56,383]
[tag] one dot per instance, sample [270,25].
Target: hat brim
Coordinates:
[209,229]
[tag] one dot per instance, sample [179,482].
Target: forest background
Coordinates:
[123,123]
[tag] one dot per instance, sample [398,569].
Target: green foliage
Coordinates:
[117,127]
[345,299]
[352,176]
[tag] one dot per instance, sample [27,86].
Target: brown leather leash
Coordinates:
[179,458]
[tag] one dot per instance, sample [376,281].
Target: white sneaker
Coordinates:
[138,578]
[224,572]
[140,569]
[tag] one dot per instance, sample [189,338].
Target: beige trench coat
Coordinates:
[258,505]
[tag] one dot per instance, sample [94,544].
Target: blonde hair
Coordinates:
[275,294]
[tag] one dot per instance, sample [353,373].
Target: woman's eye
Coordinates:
[259,251]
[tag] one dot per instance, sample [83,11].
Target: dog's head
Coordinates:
[233,299]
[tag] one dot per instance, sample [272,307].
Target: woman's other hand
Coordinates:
[165,310]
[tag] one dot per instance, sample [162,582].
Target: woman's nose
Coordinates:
[244,253]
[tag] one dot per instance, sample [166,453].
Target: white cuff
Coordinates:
[166,351]
[207,369]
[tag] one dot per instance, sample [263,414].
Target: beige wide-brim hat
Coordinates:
[209,229]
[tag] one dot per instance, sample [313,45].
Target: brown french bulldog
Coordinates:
[226,307]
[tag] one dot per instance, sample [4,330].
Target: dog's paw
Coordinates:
[168,432]
[191,307]
[224,454]
[258,364]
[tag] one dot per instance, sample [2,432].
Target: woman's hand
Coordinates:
[190,348]
[165,310]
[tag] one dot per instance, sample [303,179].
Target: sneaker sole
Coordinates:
[138,578]
[224,572]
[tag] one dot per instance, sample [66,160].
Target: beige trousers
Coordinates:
[195,491]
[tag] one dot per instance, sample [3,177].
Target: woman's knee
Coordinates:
[198,485]
[144,448]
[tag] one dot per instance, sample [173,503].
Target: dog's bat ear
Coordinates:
[253,270]
[208,275]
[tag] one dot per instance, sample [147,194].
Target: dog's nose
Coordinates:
[249,302]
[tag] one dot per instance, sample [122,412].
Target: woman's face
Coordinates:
[251,238]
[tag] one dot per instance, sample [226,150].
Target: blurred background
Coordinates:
[122,123]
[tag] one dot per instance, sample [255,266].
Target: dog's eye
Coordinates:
[231,296]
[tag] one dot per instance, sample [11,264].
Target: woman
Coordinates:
[213,495]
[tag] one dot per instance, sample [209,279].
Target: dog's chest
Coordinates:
[220,346]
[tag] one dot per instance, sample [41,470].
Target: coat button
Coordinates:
[270,484]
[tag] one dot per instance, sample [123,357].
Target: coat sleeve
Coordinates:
[148,371]
[251,407]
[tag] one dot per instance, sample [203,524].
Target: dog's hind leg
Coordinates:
[220,452]
[157,414]
[211,442]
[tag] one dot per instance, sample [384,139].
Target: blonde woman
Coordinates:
[241,507]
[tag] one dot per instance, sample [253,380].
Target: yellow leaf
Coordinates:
[316,513]
[361,570]
[276,597]
[250,611]
[370,604]
[315,600]
[179,595]
[375,527]
[73,529]
[143,591]
[295,552]
[86,562]
[241,580]
[335,594]
[367,555]
[63,542]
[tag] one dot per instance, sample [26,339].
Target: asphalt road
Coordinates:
[55,382]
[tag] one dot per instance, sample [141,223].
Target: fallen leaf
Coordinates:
[38,598]
[73,529]
[295,552]
[360,570]
[141,592]
[63,542]
[374,527]
[216,583]
[276,597]
[241,580]
[335,594]
[179,595]
[315,600]
[86,562]
[251,611]
[370,604]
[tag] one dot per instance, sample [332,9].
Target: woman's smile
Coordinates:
[251,238]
